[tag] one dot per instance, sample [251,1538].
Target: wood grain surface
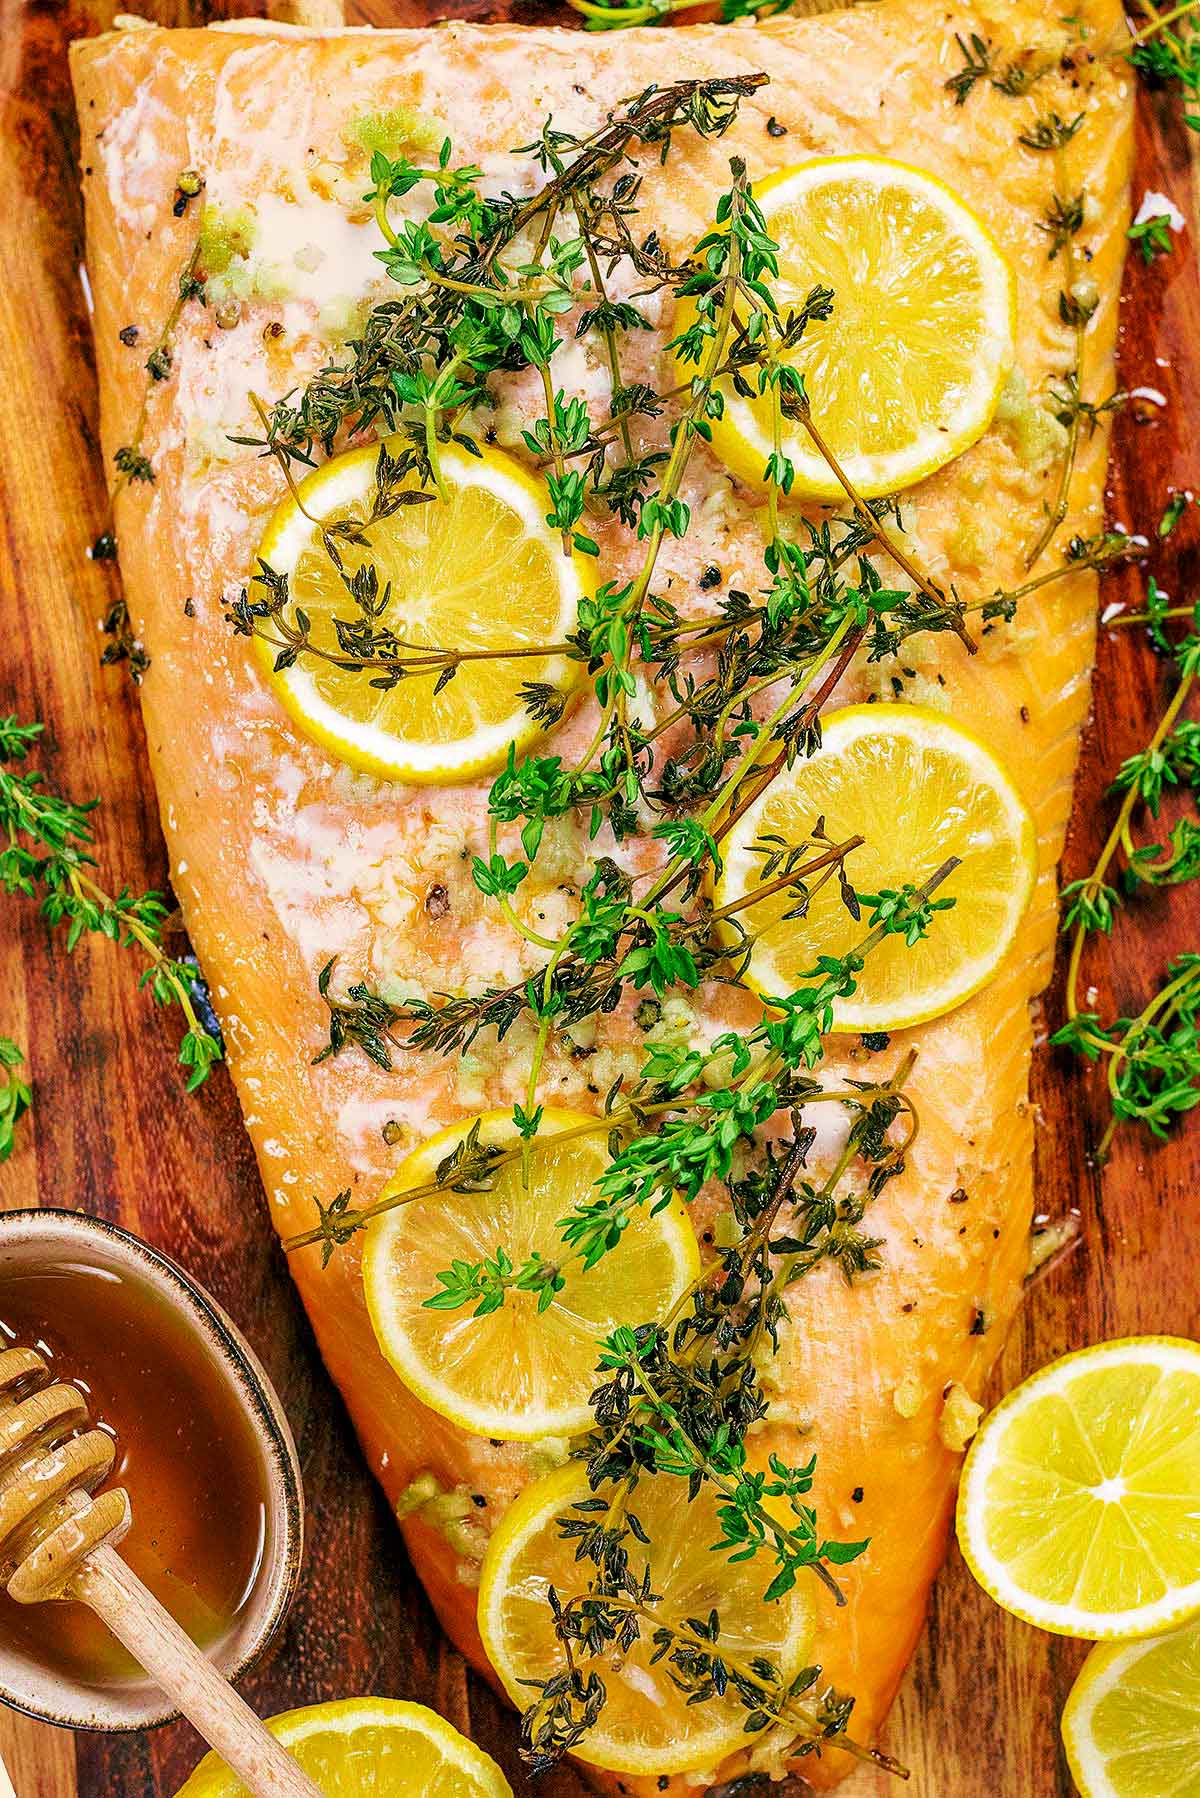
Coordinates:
[111,1131]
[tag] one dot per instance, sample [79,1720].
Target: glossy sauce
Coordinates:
[186,1457]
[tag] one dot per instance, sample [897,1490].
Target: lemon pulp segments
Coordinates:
[646,1725]
[1131,1727]
[518,1373]
[369,1748]
[908,370]
[475,568]
[919,789]
[1078,1509]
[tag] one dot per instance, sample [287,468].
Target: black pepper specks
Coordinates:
[128,335]
[774,128]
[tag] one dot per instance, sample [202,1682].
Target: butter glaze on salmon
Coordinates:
[281,857]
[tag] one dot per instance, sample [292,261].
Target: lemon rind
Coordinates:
[1178,1607]
[1102,1672]
[849,1018]
[539,1502]
[674,1220]
[343,1716]
[744,450]
[365,747]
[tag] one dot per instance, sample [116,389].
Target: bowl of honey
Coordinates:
[203,1449]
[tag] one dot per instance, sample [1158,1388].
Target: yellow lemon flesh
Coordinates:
[518,1373]
[369,1748]
[646,1726]
[1131,1728]
[920,790]
[1078,1509]
[908,370]
[472,569]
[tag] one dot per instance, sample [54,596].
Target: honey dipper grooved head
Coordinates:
[50,1464]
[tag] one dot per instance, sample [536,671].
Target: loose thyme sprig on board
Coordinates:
[16,1094]
[1153,1059]
[49,857]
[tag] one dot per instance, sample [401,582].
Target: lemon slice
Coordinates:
[908,370]
[920,789]
[1132,1723]
[474,569]
[647,1725]
[369,1748]
[1080,1501]
[519,1372]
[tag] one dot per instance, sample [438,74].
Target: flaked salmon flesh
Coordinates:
[281,857]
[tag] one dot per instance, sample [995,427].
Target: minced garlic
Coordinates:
[454,1514]
[907,1396]
[959,1419]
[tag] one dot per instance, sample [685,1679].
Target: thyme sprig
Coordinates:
[1166,49]
[16,1094]
[603,1623]
[1153,1058]
[617,16]
[1062,224]
[488,287]
[362,1017]
[675,1402]
[48,856]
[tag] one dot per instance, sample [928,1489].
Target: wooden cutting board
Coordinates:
[112,1132]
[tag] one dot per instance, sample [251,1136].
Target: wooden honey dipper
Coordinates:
[57,1541]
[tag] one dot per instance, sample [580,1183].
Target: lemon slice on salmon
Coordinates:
[474,568]
[920,789]
[369,1748]
[646,1726]
[520,1371]
[1131,1728]
[1079,1507]
[908,370]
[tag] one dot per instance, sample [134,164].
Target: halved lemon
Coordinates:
[647,1725]
[518,1372]
[369,1748]
[475,568]
[1131,1727]
[908,370]
[1079,1508]
[920,789]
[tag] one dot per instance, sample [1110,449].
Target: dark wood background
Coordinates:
[113,1133]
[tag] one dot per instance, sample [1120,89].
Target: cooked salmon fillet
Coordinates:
[282,858]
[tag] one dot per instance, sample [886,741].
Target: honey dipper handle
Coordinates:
[110,1587]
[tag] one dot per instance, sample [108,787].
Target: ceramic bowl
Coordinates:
[42,1238]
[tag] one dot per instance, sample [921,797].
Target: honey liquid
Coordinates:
[185,1455]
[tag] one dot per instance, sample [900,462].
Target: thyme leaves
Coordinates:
[1152,1059]
[16,1095]
[48,856]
